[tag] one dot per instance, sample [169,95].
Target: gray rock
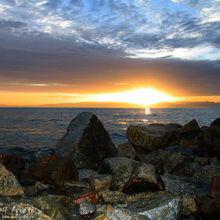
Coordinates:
[151,137]
[86,174]
[86,208]
[144,178]
[87,141]
[9,186]
[121,169]
[157,206]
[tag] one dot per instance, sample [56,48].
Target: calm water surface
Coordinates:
[37,127]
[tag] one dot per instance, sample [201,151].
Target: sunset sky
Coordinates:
[71,51]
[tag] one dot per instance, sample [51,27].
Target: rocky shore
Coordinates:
[163,172]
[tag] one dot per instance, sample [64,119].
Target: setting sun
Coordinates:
[142,96]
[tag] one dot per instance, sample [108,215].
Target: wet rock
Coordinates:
[54,170]
[144,178]
[87,141]
[215,123]
[101,182]
[20,210]
[112,197]
[126,150]
[121,169]
[57,207]
[86,208]
[155,206]
[9,186]
[185,185]
[152,137]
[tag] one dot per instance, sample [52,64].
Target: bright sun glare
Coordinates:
[142,96]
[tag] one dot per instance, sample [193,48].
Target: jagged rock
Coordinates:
[87,141]
[121,169]
[171,159]
[215,123]
[126,150]
[189,128]
[20,210]
[151,137]
[144,178]
[185,186]
[157,206]
[101,182]
[57,207]
[112,197]
[54,170]
[86,208]
[9,186]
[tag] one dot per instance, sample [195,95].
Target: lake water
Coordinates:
[40,127]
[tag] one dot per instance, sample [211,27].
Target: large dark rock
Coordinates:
[126,150]
[152,137]
[87,141]
[215,123]
[54,170]
[9,186]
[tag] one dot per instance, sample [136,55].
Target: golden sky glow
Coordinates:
[141,96]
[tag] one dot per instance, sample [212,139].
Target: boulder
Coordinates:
[86,174]
[215,123]
[57,207]
[126,150]
[54,170]
[144,178]
[189,128]
[87,141]
[121,169]
[9,186]
[152,137]
[158,206]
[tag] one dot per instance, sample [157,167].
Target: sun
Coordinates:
[140,96]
